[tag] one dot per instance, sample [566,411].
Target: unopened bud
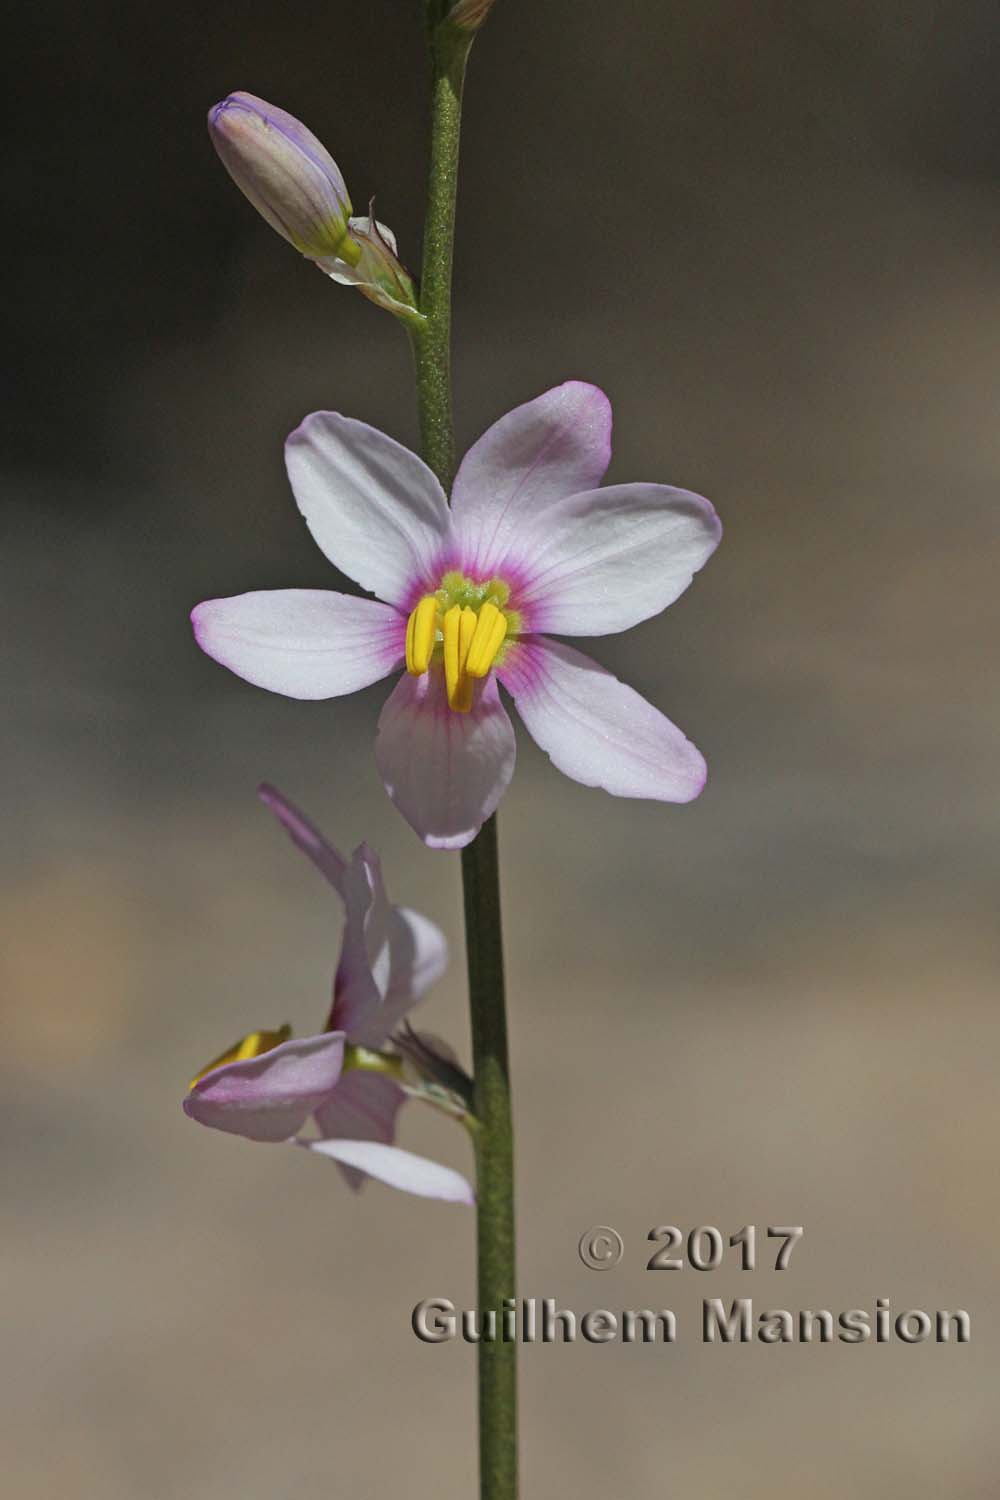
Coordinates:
[287,174]
[469,15]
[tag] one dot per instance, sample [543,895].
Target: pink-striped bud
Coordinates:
[287,174]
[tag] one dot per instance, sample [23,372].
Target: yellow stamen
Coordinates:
[459,629]
[491,628]
[254,1045]
[464,627]
[421,629]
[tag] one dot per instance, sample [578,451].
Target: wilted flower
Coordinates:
[530,545]
[348,1079]
[295,184]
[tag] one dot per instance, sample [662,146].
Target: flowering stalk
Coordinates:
[449,47]
[432,344]
[494,1142]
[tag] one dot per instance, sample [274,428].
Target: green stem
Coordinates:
[480,866]
[494,1162]
[432,343]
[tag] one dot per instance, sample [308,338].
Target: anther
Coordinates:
[459,629]
[421,630]
[491,628]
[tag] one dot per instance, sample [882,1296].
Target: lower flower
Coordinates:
[349,1081]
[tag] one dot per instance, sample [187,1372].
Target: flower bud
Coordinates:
[287,174]
[469,15]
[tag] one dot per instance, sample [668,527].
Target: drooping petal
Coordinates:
[445,771]
[597,730]
[269,1098]
[604,560]
[557,445]
[363,971]
[418,952]
[399,1168]
[390,955]
[305,643]
[306,836]
[370,1001]
[373,507]
[363,1107]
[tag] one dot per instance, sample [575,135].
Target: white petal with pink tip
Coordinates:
[398,1168]
[445,771]
[269,1098]
[537,454]
[363,1107]
[304,643]
[373,507]
[596,729]
[602,561]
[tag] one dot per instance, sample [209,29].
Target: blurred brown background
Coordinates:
[770,233]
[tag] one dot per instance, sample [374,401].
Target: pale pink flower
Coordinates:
[269,1085]
[468,595]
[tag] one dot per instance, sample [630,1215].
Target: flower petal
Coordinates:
[269,1098]
[373,507]
[445,771]
[418,957]
[363,1107]
[363,971]
[305,643]
[556,445]
[382,978]
[398,1168]
[305,836]
[596,729]
[389,956]
[604,560]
